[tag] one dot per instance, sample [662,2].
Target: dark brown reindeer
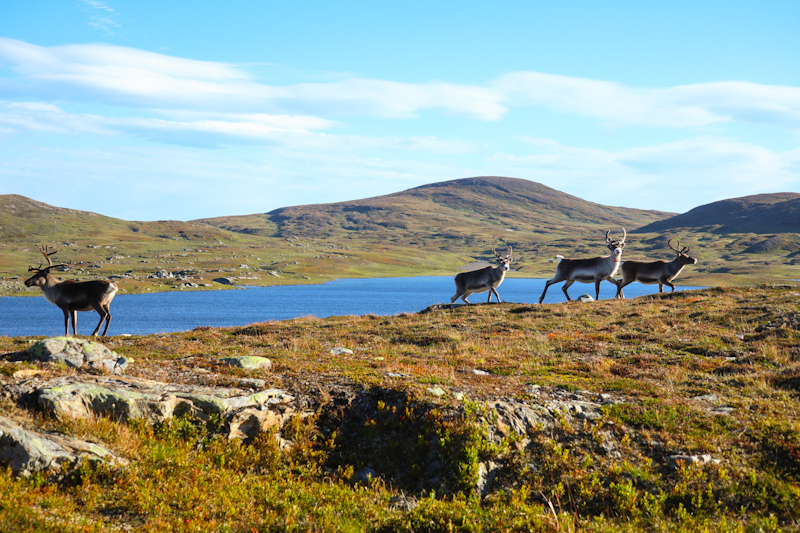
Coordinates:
[661,272]
[72,296]
[485,279]
[592,270]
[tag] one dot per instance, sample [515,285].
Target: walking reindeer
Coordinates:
[592,270]
[72,296]
[485,279]
[661,272]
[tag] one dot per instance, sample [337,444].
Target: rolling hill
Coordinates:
[467,211]
[761,213]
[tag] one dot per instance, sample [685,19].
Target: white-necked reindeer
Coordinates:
[592,270]
[72,296]
[661,272]
[485,279]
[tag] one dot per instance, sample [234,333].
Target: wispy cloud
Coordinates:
[191,128]
[140,79]
[101,16]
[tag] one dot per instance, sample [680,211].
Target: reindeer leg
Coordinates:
[104,315]
[670,285]
[620,285]
[493,291]
[74,314]
[566,286]
[454,298]
[597,289]
[546,286]
[108,321]
[66,321]
[466,295]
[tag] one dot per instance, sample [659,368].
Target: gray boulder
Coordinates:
[79,353]
[26,451]
[248,362]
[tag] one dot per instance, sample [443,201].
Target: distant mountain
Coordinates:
[488,208]
[761,213]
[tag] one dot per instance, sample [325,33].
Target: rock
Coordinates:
[585,298]
[706,398]
[487,472]
[252,383]
[79,353]
[480,372]
[161,274]
[722,411]
[125,398]
[26,452]
[685,461]
[224,281]
[437,391]
[341,351]
[519,417]
[250,422]
[365,476]
[248,362]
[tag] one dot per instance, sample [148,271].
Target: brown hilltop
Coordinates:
[489,207]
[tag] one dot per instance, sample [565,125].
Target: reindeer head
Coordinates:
[683,254]
[616,246]
[503,262]
[40,278]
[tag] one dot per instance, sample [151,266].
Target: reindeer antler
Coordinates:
[47,253]
[44,249]
[620,242]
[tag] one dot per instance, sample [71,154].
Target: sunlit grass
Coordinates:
[666,361]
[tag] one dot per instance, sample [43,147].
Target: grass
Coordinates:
[666,362]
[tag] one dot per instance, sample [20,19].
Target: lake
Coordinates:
[143,314]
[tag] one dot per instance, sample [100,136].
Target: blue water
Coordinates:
[142,314]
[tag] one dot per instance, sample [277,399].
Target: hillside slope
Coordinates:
[761,213]
[490,209]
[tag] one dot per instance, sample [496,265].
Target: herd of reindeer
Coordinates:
[72,296]
[590,270]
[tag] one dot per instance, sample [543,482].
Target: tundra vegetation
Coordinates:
[713,373]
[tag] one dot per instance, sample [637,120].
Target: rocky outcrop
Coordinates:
[26,451]
[121,399]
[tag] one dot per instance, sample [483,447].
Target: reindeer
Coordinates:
[72,296]
[595,269]
[488,278]
[661,272]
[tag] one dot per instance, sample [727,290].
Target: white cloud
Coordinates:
[678,107]
[674,176]
[135,78]
[192,128]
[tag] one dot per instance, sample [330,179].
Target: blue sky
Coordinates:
[146,110]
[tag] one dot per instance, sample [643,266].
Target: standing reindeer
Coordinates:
[595,269]
[72,296]
[485,279]
[661,272]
